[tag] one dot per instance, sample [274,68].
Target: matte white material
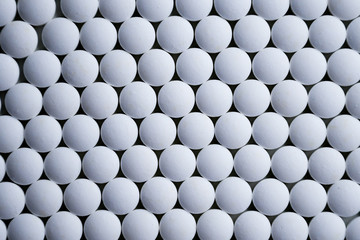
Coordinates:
[79,11]
[289,225]
[102,225]
[12,200]
[327,225]
[352,99]
[9,72]
[154,10]
[140,224]
[26,226]
[215,224]
[194,10]
[2,168]
[352,34]
[353,229]
[308,9]
[63,225]
[252,225]
[347,10]
[271,10]
[232,9]
[12,134]
[36,12]
[353,165]
[177,224]
[7,12]
[117,10]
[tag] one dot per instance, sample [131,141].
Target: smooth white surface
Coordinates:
[352,34]
[117,10]
[177,224]
[31,164]
[233,195]
[194,10]
[12,134]
[62,165]
[12,200]
[196,195]
[353,165]
[308,9]
[36,12]
[329,159]
[289,225]
[327,225]
[3,230]
[9,72]
[232,9]
[7,12]
[63,225]
[308,198]
[60,36]
[252,163]
[139,163]
[102,225]
[347,10]
[79,11]
[215,224]
[82,197]
[44,198]
[140,224]
[271,10]
[100,164]
[81,133]
[252,225]
[26,226]
[352,96]
[353,229]
[158,195]
[2,168]
[154,10]
[114,199]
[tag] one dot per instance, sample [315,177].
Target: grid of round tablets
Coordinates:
[179,119]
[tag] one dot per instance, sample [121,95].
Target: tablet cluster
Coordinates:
[179,119]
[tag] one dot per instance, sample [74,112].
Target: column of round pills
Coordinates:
[179,119]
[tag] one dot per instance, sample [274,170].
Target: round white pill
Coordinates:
[100,164]
[114,198]
[214,98]
[31,166]
[7,12]
[344,198]
[352,99]
[196,130]
[61,101]
[353,229]
[233,130]
[60,36]
[35,72]
[98,36]
[289,164]
[348,10]
[157,131]
[156,67]
[289,225]
[177,224]
[196,195]
[270,130]
[271,10]
[175,34]
[327,34]
[308,66]
[82,197]
[233,195]
[63,225]
[23,101]
[9,71]
[252,225]
[213,34]
[155,10]
[2,168]
[3,231]
[81,133]
[36,12]
[26,226]
[12,134]
[43,133]
[327,225]
[102,224]
[214,162]
[293,26]
[270,197]
[352,165]
[352,35]
[79,11]
[308,9]
[117,10]
[232,9]
[232,65]
[252,163]
[215,224]
[326,165]
[194,10]
[119,132]
[194,66]
[158,195]
[251,33]
[177,163]
[133,225]
[344,62]
[289,98]
[18,39]
[136,35]
[251,98]
[99,100]
[270,65]
[326,99]
[343,133]
[44,198]
[80,68]
[62,165]
[307,132]
[137,100]
[12,200]
[308,198]
[176,99]
[139,163]
[118,68]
